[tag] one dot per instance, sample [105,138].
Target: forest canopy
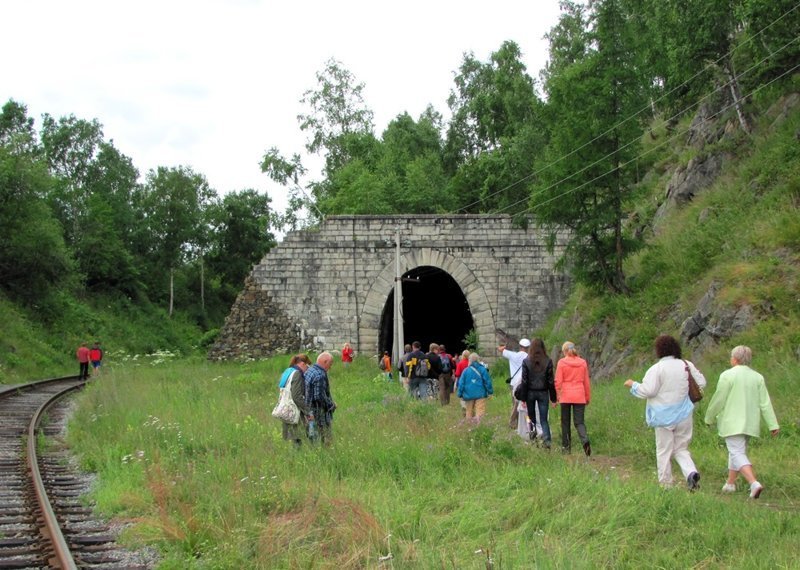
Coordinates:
[562,147]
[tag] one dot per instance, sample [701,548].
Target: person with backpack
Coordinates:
[447,365]
[416,370]
[537,387]
[475,387]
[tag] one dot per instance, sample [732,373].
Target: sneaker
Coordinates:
[728,488]
[755,489]
[693,481]
[587,449]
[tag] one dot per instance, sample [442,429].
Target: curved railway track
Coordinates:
[43,523]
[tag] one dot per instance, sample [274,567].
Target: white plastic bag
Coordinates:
[286,410]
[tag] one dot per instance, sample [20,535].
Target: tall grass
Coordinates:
[188,451]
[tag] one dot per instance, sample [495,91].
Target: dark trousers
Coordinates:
[566,430]
[540,399]
[445,388]
[84,373]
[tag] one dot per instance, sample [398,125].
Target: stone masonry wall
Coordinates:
[322,287]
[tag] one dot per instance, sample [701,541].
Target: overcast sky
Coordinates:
[214,84]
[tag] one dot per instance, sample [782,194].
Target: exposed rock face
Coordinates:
[697,175]
[712,323]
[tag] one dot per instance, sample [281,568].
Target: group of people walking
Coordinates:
[737,407]
[536,385]
[426,374]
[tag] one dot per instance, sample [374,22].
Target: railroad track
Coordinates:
[43,523]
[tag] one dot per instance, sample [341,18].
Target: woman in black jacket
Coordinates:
[538,382]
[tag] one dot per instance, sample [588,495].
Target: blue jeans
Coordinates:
[540,398]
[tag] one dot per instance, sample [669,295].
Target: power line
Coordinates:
[612,153]
[646,107]
[570,191]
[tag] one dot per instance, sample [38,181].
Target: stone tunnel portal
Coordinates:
[434,310]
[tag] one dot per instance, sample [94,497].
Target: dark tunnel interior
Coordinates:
[434,310]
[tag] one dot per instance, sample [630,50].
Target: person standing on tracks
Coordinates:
[96,358]
[83,360]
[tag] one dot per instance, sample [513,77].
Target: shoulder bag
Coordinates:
[695,393]
[286,410]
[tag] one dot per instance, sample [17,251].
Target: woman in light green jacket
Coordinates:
[738,405]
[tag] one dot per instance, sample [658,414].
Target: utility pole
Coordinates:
[399,341]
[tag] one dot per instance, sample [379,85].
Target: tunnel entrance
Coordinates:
[434,310]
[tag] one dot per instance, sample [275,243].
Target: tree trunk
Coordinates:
[171,289]
[202,285]
[733,84]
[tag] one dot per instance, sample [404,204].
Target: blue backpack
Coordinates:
[445,360]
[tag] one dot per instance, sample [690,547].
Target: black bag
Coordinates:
[521,392]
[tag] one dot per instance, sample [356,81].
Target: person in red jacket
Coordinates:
[83,360]
[96,357]
[347,354]
[574,392]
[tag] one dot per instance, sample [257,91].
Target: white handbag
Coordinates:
[286,410]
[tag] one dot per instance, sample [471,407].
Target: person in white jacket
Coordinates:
[669,410]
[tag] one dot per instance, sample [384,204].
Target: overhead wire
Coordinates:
[648,151]
[629,118]
[633,141]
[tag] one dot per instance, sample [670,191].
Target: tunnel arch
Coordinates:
[434,310]
[376,301]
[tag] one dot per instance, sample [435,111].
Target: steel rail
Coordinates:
[62,557]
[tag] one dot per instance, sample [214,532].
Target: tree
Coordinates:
[336,109]
[496,133]
[242,234]
[174,200]
[70,145]
[34,261]
[595,101]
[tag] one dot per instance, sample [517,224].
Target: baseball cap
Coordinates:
[524,343]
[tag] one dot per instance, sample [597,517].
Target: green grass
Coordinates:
[189,452]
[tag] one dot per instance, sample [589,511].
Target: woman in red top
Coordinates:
[347,354]
[574,393]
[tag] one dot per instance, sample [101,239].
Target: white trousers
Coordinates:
[673,442]
[737,452]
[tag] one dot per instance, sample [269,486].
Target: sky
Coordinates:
[214,84]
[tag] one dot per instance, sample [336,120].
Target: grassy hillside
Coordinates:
[741,236]
[33,349]
[189,453]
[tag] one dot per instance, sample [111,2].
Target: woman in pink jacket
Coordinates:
[574,393]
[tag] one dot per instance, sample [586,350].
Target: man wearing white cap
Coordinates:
[518,421]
